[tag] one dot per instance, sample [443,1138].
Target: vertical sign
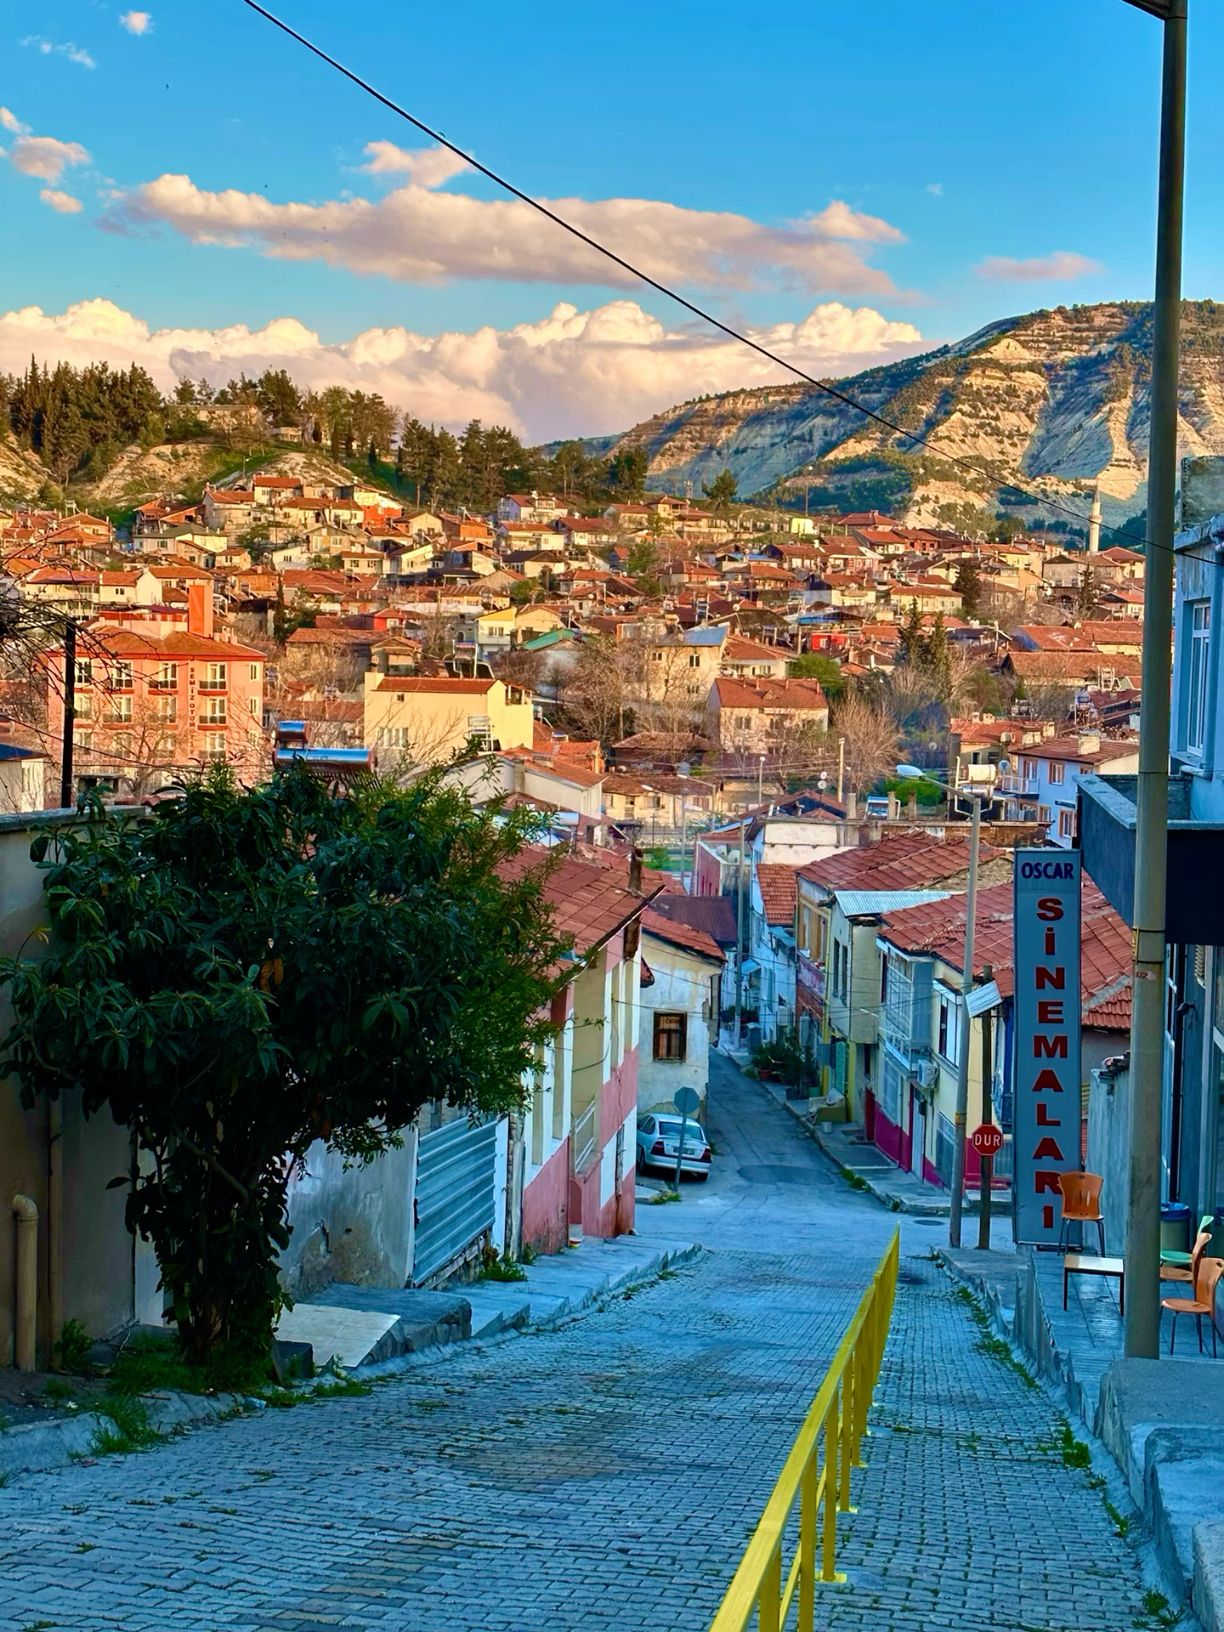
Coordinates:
[1046,1121]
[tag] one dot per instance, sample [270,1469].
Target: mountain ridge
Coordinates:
[1043,403]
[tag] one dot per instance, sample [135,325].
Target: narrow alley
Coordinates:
[609,1472]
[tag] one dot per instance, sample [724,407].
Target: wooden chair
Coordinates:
[1207,1272]
[1081,1204]
[1175,1266]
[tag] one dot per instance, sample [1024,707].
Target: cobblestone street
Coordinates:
[607,1473]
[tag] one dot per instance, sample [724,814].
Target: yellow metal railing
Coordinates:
[816,1476]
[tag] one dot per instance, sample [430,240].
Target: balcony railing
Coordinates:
[584,1140]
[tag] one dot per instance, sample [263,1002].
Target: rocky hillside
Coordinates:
[1052,401]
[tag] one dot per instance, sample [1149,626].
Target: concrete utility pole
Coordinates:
[1152,813]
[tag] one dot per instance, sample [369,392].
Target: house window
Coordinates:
[118,710]
[1066,824]
[84,671]
[213,711]
[1045,813]
[120,677]
[670,1036]
[166,678]
[253,704]
[214,678]
[1196,699]
[949,1029]
[167,709]
[83,706]
[694,660]
[1058,774]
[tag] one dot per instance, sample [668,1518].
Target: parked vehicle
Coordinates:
[658,1141]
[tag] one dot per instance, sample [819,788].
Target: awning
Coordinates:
[750,966]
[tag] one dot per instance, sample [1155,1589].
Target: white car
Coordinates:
[658,1141]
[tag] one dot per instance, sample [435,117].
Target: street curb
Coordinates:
[43,1447]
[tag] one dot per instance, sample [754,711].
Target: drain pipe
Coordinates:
[25,1324]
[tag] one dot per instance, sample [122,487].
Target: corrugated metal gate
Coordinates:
[455,1193]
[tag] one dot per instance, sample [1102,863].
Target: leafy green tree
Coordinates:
[722,490]
[910,639]
[244,973]
[816,666]
[627,471]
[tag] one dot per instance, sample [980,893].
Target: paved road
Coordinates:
[606,1474]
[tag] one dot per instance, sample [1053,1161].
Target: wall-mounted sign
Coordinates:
[1046,1122]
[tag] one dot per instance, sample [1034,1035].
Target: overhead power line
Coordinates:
[634,271]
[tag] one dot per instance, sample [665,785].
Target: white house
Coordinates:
[1044,783]
[679,1010]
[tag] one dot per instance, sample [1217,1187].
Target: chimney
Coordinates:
[1088,742]
[1094,522]
[200,609]
[635,870]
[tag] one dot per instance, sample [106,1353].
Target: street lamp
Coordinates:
[979,787]
[1151,800]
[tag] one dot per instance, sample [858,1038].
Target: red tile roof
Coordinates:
[1105,946]
[713,914]
[588,903]
[681,935]
[777,886]
[789,694]
[902,861]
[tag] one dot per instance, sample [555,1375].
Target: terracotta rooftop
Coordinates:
[778,889]
[681,935]
[589,904]
[1105,946]
[902,861]
[434,683]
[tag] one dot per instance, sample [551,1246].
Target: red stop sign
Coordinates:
[987,1140]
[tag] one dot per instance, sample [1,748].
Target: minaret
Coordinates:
[1094,521]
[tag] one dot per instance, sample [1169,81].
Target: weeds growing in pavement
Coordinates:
[663,1197]
[995,1347]
[129,1430]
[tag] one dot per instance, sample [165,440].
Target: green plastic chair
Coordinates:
[1181,1260]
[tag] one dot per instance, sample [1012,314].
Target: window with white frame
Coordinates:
[1199,627]
[118,710]
[1058,773]
[949,1027]
[213,711]
[1066,824]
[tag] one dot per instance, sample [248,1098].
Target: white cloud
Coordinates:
[45,156]
[427,166]
[136,22]
[62,203]
[418,235]
[935,188]
[1059,266]
[66,48]
[570,373]
[10,121]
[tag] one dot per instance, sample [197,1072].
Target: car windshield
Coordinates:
[671,1127]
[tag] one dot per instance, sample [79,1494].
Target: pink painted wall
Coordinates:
[930,1174]
[546,1203]
[888,1136]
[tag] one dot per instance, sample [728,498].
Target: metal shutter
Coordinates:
[455,1202]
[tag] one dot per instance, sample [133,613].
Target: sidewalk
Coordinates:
[1162,1420]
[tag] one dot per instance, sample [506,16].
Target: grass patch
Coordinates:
[504,1268]
[1159,1610]
[343,1388]
[150,1363]
[853,1179]
[129,1430]
[1118,1519]
[57,1390]
[1074,1452]
[662,1197]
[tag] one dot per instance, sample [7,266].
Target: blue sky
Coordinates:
[958,134]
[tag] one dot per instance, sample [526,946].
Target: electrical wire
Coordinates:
[634,271]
